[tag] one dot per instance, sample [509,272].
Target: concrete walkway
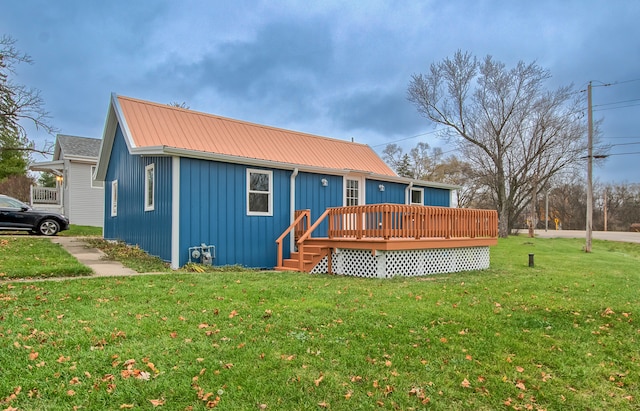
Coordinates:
[92,257]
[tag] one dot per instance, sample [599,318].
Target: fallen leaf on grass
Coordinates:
[33,355]
[319,380]
[123,406]
[465,383]
[521,386]
[71,393]
[157,403]
[607,311]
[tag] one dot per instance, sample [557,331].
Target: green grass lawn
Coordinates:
[29,256]
[561,335]
[81,231]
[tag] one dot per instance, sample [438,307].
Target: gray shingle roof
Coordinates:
[79,146]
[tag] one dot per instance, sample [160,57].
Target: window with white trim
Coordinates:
[114,198]
[95,183]
[417,196]
[352,192]
[149,187]
[259,192]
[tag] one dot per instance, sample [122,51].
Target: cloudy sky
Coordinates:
[332,68]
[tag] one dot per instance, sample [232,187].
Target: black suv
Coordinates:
[16,215]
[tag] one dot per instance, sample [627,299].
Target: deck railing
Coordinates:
[299,227]
[396,221]
[45,195]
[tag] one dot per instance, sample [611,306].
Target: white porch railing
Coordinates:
[45,195]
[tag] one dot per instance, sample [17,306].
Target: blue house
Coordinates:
[176,178]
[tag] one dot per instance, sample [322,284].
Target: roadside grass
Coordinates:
[33,257]
[560,335]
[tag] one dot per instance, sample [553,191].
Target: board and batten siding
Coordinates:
[84,204]
[213,211]
[312,195]
[439,197]
[395,193]
[150,230]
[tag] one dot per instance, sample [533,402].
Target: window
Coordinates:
[114,198]
[94,183]
[352,193]
[8,202]
[417,196]
[149,187]
[259,192]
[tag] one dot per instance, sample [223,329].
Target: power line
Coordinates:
[625,81]
[406,138]
[616,102]
[614,108]
[599,105]
[625,144]
[624,154]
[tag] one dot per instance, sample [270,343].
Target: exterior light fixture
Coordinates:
[324,182]
[381,187]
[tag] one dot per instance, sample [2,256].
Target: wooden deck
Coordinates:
[387,227]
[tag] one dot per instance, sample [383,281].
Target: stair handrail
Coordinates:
[303,214]
[305,236]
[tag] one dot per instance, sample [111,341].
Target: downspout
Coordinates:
[407,193]
[175,212]
[292,207]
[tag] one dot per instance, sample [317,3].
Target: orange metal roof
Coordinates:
[151,124]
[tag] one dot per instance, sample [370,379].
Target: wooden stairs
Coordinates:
[311,257]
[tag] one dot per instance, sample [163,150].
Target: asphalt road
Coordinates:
[623,236]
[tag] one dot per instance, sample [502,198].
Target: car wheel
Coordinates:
[48,227]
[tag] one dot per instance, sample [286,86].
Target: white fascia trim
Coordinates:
[203,155]
[175,212]
[82,159]
[48,166]
[123,121]
[114,116]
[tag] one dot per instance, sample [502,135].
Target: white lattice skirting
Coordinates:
[408,263]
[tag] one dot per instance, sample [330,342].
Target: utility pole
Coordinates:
[605,209]
[534,192]
[546,211]
[587,247]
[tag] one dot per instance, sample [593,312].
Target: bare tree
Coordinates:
[430,164]
[179,105]
[18,105]
[515,134]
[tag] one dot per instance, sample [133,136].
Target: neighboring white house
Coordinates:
[77,195]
